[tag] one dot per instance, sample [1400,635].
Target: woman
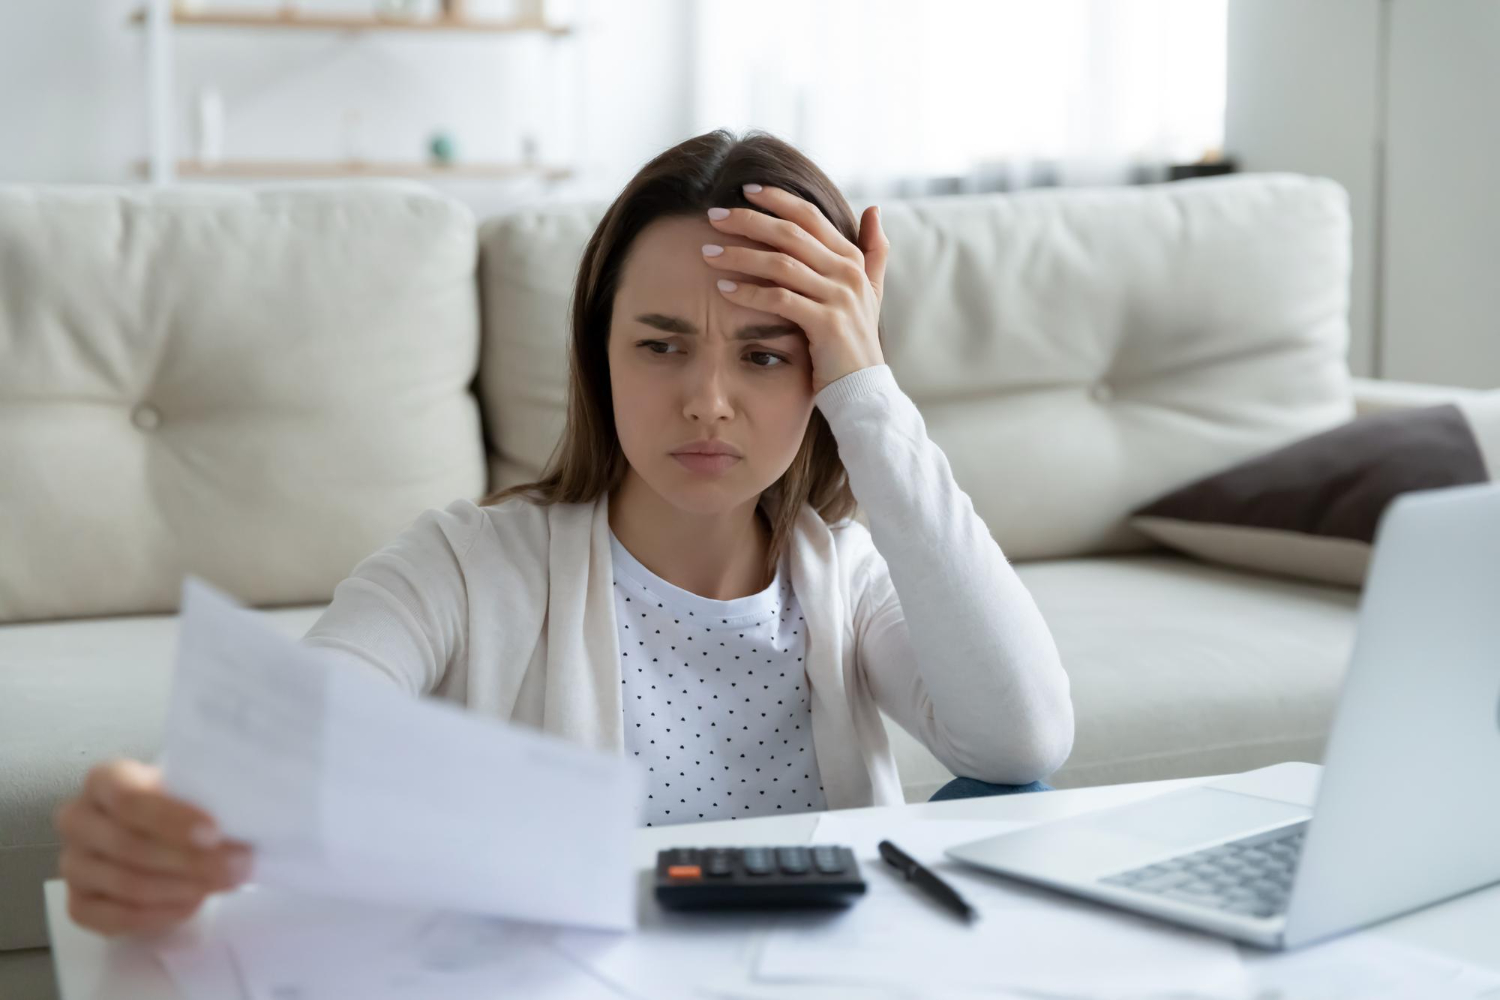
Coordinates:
[685,584]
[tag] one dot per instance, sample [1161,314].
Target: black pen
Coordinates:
[926,880]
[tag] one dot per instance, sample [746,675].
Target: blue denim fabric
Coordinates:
[969,788]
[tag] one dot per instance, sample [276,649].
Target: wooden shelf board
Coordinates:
[349,22]
[363,168]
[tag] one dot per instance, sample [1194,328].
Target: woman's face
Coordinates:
[687,366]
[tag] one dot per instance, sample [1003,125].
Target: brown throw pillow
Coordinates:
[1310,509]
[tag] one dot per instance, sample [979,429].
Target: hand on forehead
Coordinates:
[665,272]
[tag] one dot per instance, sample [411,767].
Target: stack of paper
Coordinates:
[263,944]
[1035,943]
[274,944]
[1025,939]
[407,850]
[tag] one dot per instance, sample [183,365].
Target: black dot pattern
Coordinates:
[715,698]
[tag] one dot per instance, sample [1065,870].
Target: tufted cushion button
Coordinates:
[146,417]
[1102,391]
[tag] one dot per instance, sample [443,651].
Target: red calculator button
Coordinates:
[684,871]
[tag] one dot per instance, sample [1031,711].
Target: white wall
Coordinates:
[1405,118]
[1302,95]
[1442,271]
[72,105]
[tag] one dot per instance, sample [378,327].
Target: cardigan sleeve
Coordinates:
[402,611]
[949,639]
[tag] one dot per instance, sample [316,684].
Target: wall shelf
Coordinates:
[160,19]
[299,20]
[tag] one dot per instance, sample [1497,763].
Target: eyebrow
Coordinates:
[755,331]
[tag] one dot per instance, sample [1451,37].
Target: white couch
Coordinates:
[263,385]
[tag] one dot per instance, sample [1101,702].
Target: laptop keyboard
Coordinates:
[1251,876]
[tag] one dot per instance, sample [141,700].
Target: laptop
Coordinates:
[1404,813]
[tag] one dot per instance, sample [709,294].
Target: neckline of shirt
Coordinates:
[734,610]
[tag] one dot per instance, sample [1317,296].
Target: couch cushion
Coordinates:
[257,385]
[76,693]
[1074,352]
[1312,509]
[1180,669]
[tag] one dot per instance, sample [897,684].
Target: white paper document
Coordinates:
[1364,966]
[1024,939]
[1030,941]
[407,849]
[348,787]
[333,950]
[274,944]
[270,944]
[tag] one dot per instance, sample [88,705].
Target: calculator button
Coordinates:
[758,862]
[684,871]
[793,860]
[827,860]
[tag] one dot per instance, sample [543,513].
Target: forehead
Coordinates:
[665,264]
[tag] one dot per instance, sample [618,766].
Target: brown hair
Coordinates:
[686,180]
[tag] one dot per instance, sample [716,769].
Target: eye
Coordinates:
[758,359]
[776,358]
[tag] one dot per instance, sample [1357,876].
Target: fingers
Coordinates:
[130,854]
[779,268]
[810,217]
[131,792]
[775,300]
[87,827]
[876,246]
[111,917]
[788,235]
[100,876]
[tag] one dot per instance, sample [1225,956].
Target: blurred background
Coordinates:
[261,391]
[504,102]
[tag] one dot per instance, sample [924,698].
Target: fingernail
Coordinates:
[752,188]
[725,285]
[712,249]
[239,867]
[718,213]
[204,835]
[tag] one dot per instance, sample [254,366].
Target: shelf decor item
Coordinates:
[441,146]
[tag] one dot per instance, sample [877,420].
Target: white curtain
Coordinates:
[926,96]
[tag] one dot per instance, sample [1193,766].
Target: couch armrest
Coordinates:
[1374,395]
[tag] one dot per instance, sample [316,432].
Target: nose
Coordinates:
[707,398]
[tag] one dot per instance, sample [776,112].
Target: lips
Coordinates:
[707,457]
[708,447]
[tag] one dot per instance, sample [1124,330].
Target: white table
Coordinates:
[90,966]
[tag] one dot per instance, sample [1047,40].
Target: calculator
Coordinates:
[705,878]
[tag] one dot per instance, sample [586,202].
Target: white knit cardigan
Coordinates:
[508,609]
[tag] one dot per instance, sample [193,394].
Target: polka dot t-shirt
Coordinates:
[715,698]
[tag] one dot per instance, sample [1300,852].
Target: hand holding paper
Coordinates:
[347,787]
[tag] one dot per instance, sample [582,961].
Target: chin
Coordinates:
[703,496]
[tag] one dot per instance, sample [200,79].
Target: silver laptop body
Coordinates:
[1405,812]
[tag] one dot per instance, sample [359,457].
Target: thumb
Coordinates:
[875,246]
